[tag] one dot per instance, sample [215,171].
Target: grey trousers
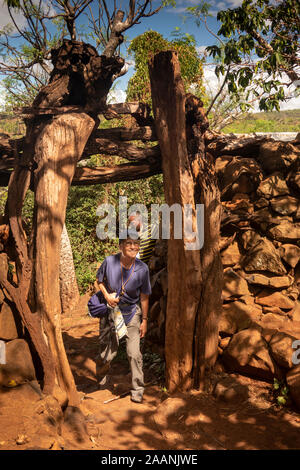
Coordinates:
[108,350]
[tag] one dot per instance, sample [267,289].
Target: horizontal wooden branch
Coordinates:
[36,111]
[103,141]
[123,172]
[111,111]
[122,149]
[146,133]
[103,175]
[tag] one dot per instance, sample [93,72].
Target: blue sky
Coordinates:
[170,18]
[165,22]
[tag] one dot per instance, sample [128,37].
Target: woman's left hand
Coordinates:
[143,328]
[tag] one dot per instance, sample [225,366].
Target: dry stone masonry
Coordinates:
[260,249]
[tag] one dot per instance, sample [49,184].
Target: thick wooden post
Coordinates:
[184,279]
[191,324]
[57,150]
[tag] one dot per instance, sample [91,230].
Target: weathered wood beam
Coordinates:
[5,163]
[110,111]
[145,133]
[106,141]
[124,172]
[101,175]
[121,149]
[36,111]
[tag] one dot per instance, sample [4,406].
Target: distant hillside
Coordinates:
[283,121]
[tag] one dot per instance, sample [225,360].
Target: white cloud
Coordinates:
[212,84]
[176,10]
[116,96]
[232,3]
[181,6]
[5,18]
[201,50]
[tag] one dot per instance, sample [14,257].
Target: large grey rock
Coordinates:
[250,238]
[285,205]
[268,280]
[274,299]
[231,255]
[69,292]
[248,354]
[233,285]
[290,253]
[281,349]
[19,366]
[295,313]
[277,156]
[286,231]
[238,316]
[264,257]
[240,175]
[272,186]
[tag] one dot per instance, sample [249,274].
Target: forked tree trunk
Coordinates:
[53,145]
[187,320]
[57,151]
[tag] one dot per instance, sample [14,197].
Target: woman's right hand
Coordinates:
[112,300]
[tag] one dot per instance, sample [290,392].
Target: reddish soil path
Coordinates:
[185,421]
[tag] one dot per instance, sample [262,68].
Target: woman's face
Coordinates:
[130,248]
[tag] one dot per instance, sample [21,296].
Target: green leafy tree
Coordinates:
[151,42]
[258,48]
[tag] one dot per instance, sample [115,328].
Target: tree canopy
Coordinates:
[258,46]
[151,42]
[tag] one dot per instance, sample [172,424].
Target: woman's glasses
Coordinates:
[132,243]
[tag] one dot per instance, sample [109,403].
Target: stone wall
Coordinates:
[260,249]
[16,365]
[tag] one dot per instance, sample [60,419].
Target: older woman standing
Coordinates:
[124,281]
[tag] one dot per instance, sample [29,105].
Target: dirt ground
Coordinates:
[193,421]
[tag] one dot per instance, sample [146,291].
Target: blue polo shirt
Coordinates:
[139,283]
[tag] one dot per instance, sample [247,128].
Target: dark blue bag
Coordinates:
[97,305]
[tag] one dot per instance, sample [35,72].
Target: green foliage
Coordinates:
[284,121]
[13,126]
[267,30]
[280,392]
[148,44]
[13,3]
